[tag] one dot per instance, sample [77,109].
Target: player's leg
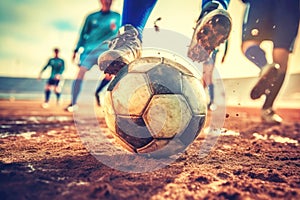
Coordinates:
[286,17]
[88,58]
[103,83]
[126,46]
[76,89]
[255,54]
[258,22]
[213,28]
[208,68]
[280,56]
[47,94]
[57,90]
[136,13]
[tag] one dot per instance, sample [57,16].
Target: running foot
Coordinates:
[270,117]
[71,108]
[212,29]
[124,49]
[45,105]
[59,102]
[211,106]
[268,75]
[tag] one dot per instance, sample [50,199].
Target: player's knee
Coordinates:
[48,87]
[81,72]
[57,89]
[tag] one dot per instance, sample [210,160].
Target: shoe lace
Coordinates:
[128,38]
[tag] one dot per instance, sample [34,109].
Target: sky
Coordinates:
[30,29]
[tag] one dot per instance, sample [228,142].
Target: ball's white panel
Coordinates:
[143,65]
[195,95]
[131,94]
[167,115]
[109,112]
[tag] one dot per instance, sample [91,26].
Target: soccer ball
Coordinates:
[155,106]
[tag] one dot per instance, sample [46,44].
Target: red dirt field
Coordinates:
[42,157]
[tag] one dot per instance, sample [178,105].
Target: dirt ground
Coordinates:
[42,157]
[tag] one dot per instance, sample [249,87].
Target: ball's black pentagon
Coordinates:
[192,130]
[164,79]
[133,130]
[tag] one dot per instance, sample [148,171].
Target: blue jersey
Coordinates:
[97,28]
[57,66]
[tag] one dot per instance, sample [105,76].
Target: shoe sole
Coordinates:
[270,122]
[113,67]
[209,33]
[111,62]
[264,84]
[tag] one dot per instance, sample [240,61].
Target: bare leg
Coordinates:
[280,56]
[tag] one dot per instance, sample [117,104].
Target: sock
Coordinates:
[136,13]
[103,83]
[211,92]
[224,3]
[270,98]
[57,96]
[256,55]
[47,95]
[76,90]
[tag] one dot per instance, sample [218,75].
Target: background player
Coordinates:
[278,22]
[57,68]
[208,68]
[98,27]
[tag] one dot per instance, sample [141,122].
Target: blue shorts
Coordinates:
[52,81]
[89,57]
[275,20]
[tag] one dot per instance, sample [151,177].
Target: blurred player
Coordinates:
[98,27]
[57,68]
[212,28]
[277,21]
[208,68]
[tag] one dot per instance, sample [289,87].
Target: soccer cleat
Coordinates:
[71,108]
[211,106]
[268,76]
[123,49]
[270,117]
[45,105]
[58,102]
[212,29]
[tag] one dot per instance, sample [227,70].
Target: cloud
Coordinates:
[64,25]
[31,28]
